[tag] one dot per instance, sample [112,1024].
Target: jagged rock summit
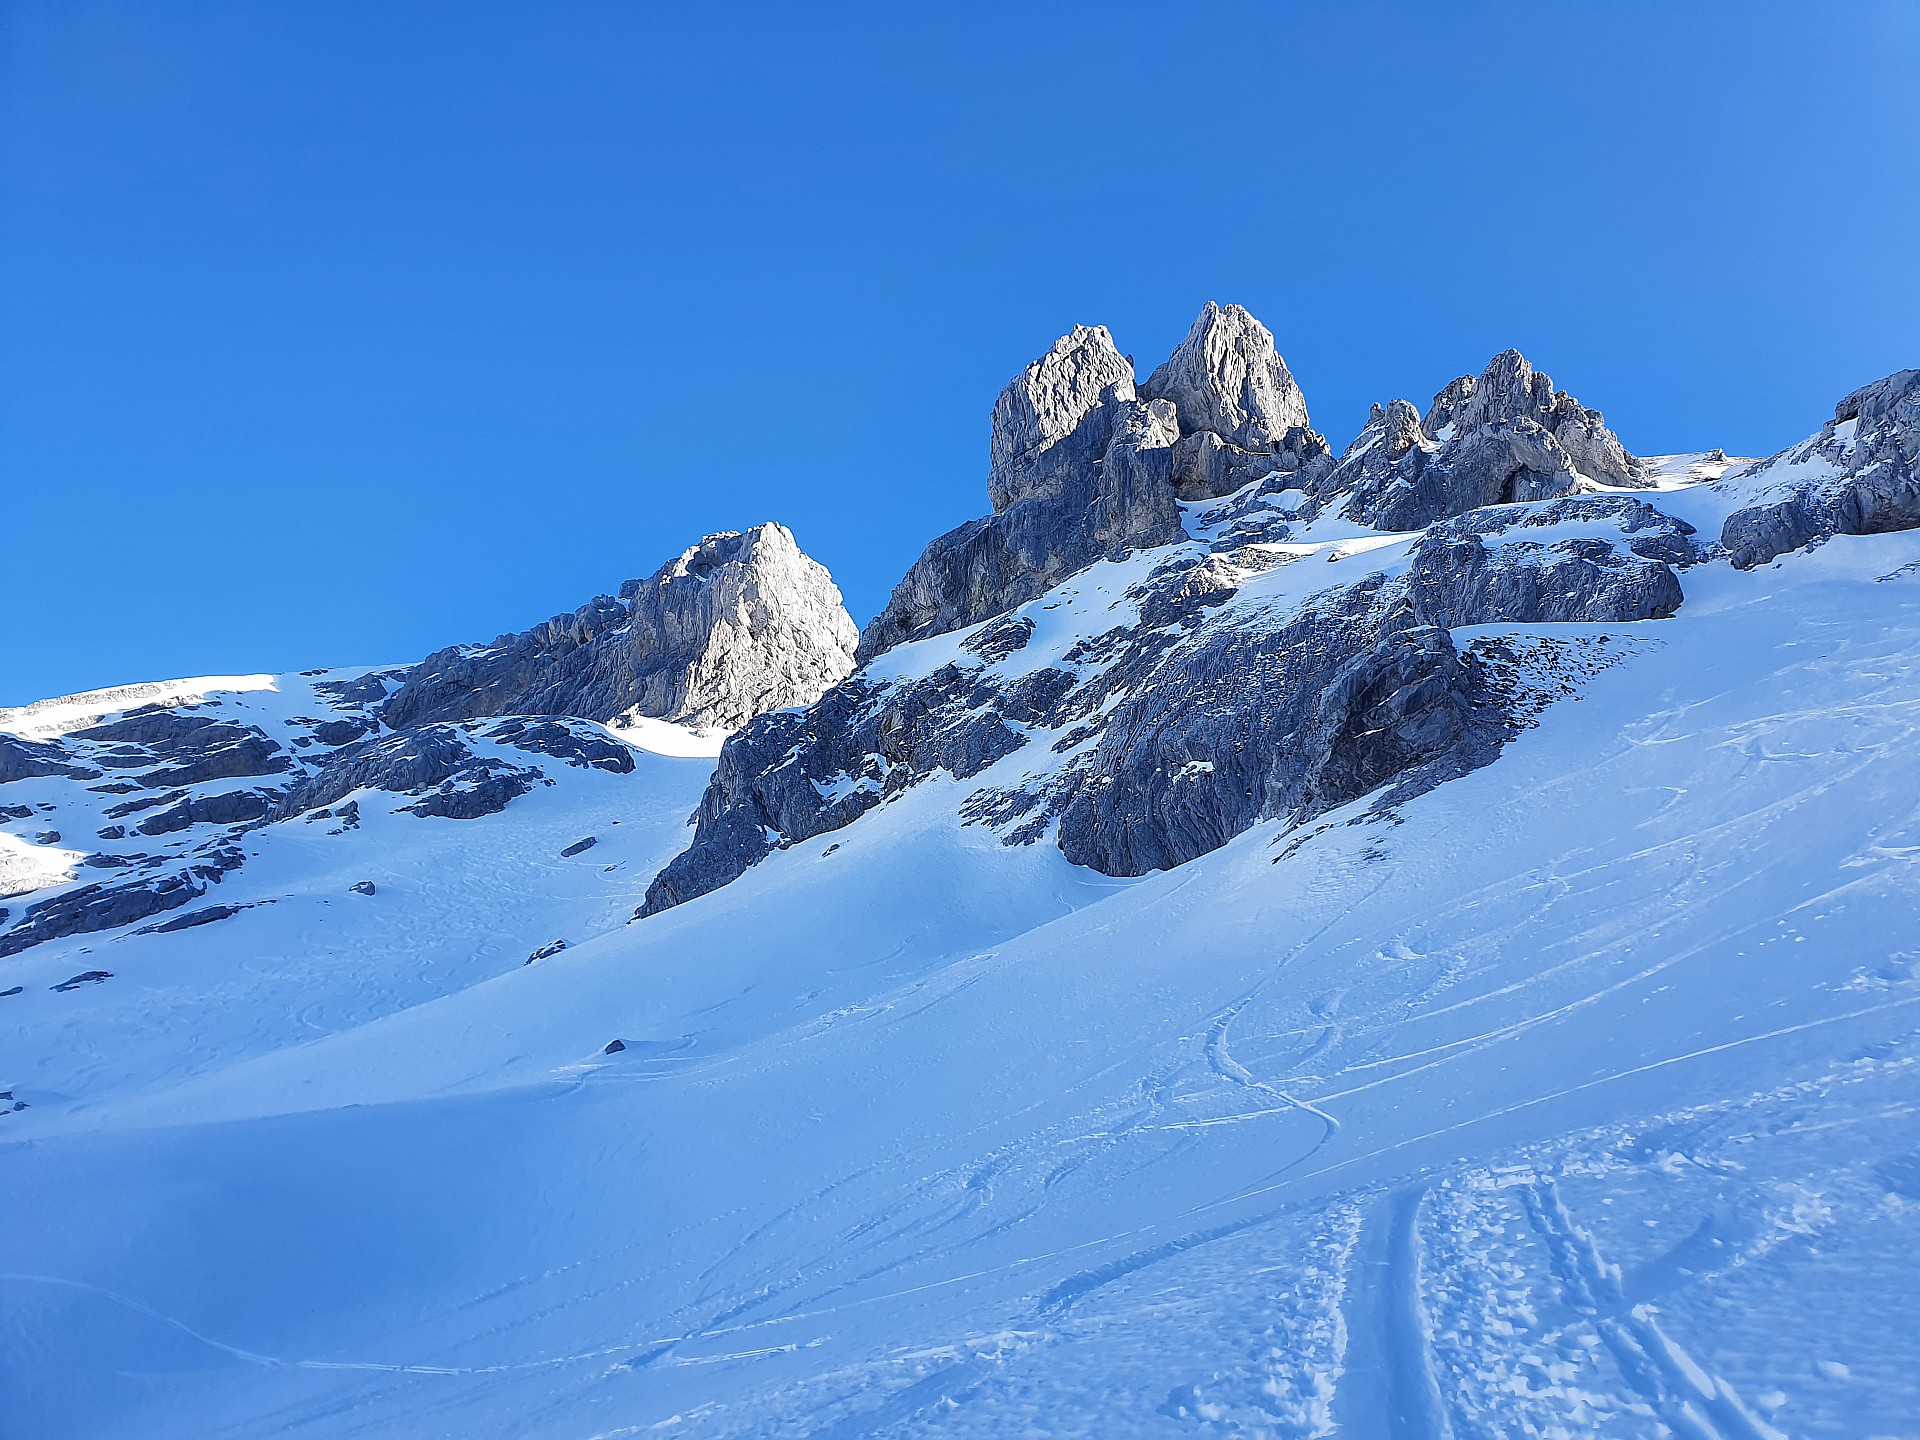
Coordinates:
[1506,435]
[1240,413]
[736,625]
[1200,677]
[1085,467]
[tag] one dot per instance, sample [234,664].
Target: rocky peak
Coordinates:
[1501,436]
[1508,389]
[1082,470]
[1052,417]
[736,625]
[1895,398]
[1241,415]
[1392,429]
[1228,378]
[1511,390]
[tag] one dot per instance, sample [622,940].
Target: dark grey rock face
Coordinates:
[1251,720]
[193,919]
[173,747]
[1483,567]
[410,761]
[577,744]
[1083,469]
[1506,436]
[231,807]
[438,764]
[739,624]
[1870,455]
[1122,501]
[33,760]
[1202,717]
[98,907]
[794,774]
[486,790]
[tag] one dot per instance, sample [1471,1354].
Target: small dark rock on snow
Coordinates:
[86,977]
[546,951]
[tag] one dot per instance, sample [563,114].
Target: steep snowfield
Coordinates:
[1575,1096]
[454,902]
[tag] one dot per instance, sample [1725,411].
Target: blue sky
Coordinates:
[336,333]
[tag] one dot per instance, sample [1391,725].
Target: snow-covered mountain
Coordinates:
[1415,941]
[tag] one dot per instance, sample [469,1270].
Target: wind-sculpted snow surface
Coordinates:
[1279,977]
[1574,1097]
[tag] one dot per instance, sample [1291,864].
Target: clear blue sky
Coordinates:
[333,333]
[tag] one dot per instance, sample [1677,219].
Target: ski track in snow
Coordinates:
[1602,1123]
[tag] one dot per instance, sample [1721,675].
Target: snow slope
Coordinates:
[1574,1096]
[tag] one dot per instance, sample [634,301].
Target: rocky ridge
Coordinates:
[1183,616]
[736,624]
[1860,475]
[1217,676]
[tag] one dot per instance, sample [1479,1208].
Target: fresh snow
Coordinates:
[66,713]
[1575,1096]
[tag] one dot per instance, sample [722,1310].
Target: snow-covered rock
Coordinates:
[1860,475]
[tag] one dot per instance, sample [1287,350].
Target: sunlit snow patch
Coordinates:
[26,867]
[64,714]
[663,737]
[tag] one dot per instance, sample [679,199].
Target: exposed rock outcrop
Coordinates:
[1504,436]
[1510,389]
[738,624]
[98,907]
[1859,476]
[35,760]
[436,762]
[1123,501]
[227,807]
[1183,728]
[1483,567]
[1054,419]
[1258,716]
[1241,414]
[1084,469]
